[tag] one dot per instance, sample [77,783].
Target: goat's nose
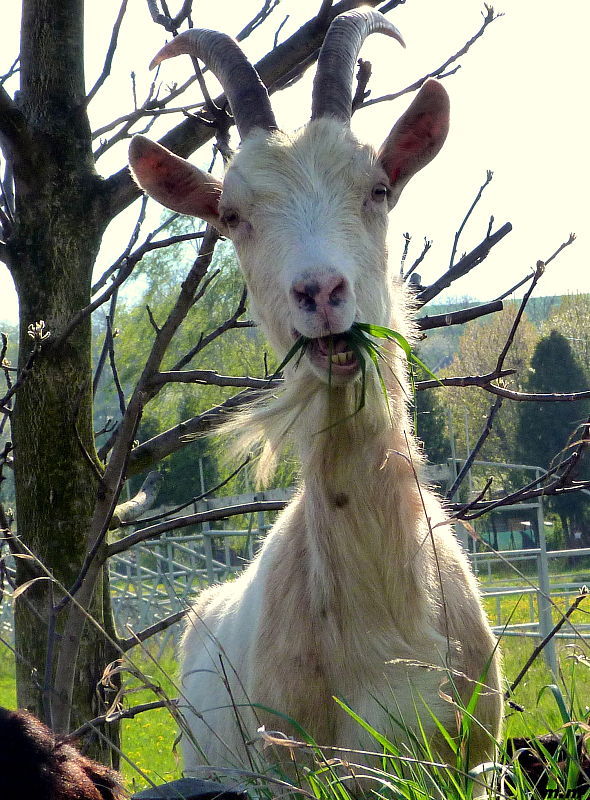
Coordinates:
[320,294]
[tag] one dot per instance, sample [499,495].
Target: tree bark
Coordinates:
[57,233]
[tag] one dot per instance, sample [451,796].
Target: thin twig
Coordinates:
[108,62]
[170,24]
[152,630]
[112,361]
[489,176]
[479,444]
[105,719]
[540,269]
[440,71]
[207,377]
[363,77]
[204,341]
[584,593]
[483,381]
[420,259]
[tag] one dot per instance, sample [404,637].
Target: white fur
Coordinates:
[361,590]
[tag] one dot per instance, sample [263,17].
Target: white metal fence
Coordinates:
[158,578]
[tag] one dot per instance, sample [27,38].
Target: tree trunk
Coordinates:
[58,228]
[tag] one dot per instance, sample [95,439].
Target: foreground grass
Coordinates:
[149,739]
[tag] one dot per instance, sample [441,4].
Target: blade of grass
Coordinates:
[300,344]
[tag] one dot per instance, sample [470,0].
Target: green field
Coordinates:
[149,739]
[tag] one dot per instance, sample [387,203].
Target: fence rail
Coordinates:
[158,578]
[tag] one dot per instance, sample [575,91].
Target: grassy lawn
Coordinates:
[149,739]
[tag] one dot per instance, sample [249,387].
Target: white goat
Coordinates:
[361,590]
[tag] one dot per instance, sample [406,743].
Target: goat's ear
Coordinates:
[173,182]
[417,136]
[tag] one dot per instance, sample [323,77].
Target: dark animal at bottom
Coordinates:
[36,764]
[531,755]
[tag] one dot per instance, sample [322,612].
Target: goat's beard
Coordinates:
[309,413]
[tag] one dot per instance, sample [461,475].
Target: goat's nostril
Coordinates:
[338,293]
[305,294]
[318,295]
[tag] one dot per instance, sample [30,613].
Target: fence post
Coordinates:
[544,594]
[207,546]
[261,523]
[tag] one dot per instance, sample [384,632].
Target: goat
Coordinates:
[361,590]
[35,764]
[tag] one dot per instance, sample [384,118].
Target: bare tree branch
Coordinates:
[152,106]
[144,499]
[483,381]
[479,444]
[540,269]
[171,24]
[440,71]
[193,500]
[419,260]
[537,397]
[232,322]
[363,77]
[464,265]
[106,345]
[110,342]
[543,643]
[458,317]
[128,713]
[266,10]
[470,211]
[214,514]
[15,136]
[324,10]
[152,630]
[208,377]
[23,375]
[12,70]
[108,62]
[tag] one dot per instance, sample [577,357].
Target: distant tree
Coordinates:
[546,430]
[571,317]
[477,352]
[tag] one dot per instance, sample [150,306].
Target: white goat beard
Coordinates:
[306,411]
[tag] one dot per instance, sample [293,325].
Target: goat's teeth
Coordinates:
[342,358]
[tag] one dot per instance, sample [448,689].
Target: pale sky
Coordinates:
[519,107]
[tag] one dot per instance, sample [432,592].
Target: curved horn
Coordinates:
[332,86]
[246,94]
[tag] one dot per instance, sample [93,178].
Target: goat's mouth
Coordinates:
[333,355]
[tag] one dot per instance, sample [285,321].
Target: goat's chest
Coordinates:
[383,679]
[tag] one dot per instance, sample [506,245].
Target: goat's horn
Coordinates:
[246,94]
[332,86]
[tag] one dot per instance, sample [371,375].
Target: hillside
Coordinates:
[441,344]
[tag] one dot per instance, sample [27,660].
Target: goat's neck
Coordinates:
[365,518]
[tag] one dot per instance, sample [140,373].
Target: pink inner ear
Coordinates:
[174,182]
[418,135]
[412,145]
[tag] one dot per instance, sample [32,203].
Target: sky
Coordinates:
[518,108]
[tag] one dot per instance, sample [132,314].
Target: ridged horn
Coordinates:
[332,86]
[245,92]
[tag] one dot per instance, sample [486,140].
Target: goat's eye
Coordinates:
[231,218]
[380,192]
